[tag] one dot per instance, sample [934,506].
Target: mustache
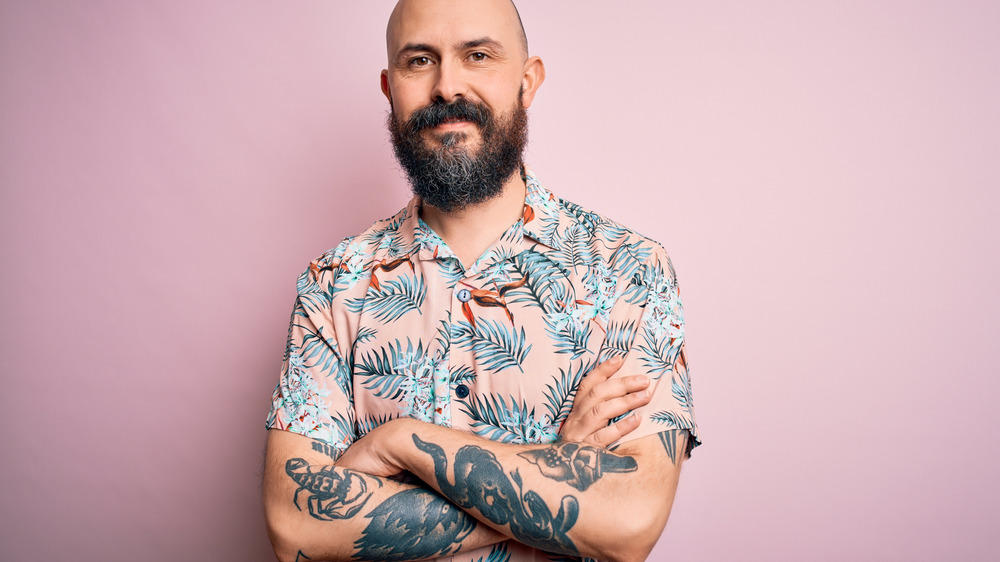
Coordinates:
[440,112]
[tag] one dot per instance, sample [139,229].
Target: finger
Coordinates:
[611,389]
[611,394]
[620,386]
[609,434]
[605,411]
[601,372]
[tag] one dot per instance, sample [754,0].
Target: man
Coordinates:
[494,373]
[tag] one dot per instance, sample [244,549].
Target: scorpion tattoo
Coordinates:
[332,495]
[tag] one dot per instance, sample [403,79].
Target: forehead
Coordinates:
[444,23]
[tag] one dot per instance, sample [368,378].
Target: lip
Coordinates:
[453,125]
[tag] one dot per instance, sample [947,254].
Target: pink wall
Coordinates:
[825,176]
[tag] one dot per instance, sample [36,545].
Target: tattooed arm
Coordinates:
[318,511]
[566,497]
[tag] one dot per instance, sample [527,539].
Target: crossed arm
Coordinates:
[572,497]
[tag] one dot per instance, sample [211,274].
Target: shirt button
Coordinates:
[464,295]
[461,391]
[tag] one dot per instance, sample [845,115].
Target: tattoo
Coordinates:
[669,440]
[577,465]
[413,524]
[333,495]
[301,556]
[325,449]
[480,482]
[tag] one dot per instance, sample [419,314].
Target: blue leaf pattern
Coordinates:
[390,323]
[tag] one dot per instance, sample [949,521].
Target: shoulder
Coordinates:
[606,243]
[350,261]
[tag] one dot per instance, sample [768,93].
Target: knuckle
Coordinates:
[597,410]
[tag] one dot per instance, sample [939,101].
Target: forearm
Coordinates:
[319,511]
[565,498]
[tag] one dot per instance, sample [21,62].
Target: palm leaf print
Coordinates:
[379,372]
[344,426]
[395,298]
[574,248]
[545,281]
[567,336]
[375,363]
[681,389]
[496,346]
[365,335]
[389,226]
[319,352]
[452,271]
[658,356]
[628,258]
[586,219]
[672,419]
[443,337]
[513,423]
[559,396]
[368,423]
[612,232]
[462,374]
[312,297]
[636,292]
[618,340]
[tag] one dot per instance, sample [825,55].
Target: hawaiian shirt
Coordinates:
[391,324]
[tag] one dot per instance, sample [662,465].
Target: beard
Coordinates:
[451,176]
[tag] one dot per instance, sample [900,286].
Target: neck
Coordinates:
[471,231]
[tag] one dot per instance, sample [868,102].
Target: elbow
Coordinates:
[285,530]
[292,543]
[282,538]
[635,537]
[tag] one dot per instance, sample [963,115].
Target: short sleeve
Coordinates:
[651,308]
[313,395]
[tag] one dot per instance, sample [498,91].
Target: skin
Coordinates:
[617,516]
[322,508]
[441,50]
[294,529]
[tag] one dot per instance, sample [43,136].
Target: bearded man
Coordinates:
[494,373]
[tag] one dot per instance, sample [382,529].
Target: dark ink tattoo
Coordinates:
[332,495]
[480,482]
[577,465]
[325,449]
[669,440]
[301,556]
[413,524]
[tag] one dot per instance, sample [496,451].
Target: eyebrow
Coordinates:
[483,42]
[424,47]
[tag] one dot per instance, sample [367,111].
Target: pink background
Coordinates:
[824,174]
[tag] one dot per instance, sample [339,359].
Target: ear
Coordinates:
[531,79]
[385,85]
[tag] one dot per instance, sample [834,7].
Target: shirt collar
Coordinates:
[538,223]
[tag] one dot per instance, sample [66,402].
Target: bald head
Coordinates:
[408,13]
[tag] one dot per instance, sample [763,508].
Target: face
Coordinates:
[459,82]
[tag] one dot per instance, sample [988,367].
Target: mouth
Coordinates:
[453,122]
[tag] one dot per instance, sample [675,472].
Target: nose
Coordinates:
[450,83]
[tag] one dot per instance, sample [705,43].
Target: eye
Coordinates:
[478,56]
[420,61]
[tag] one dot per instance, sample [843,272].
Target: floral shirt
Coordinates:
[391,324]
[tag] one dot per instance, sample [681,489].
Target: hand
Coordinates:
[599,399]
[372,454]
